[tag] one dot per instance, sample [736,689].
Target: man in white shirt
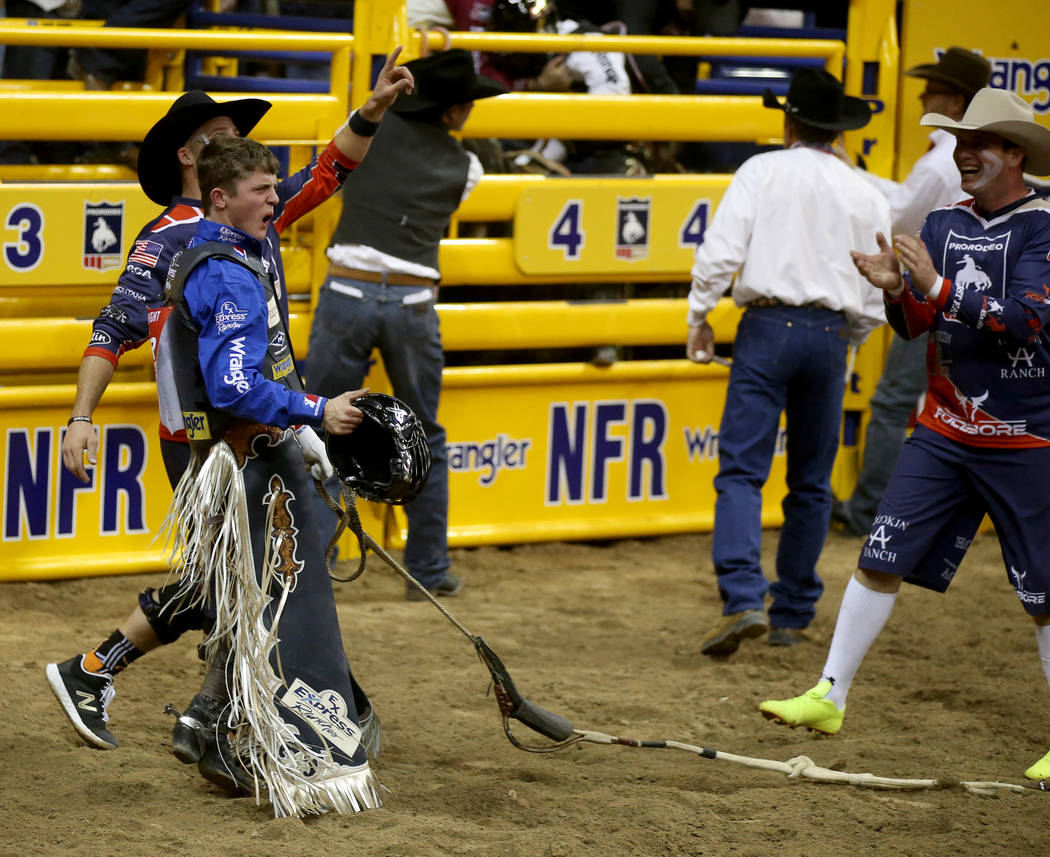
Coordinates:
[785,228]
[933,182]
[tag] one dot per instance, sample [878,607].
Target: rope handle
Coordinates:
[348,518]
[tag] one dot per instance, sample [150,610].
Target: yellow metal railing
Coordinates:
[581,117]
[55,344]
[831,50]
[39,349]
[31,115]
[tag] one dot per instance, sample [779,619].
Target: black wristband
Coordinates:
[361,126]
[72,420]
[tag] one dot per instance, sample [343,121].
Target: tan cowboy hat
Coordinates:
[1008,115]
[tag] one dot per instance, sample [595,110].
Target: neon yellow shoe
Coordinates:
[811,710]
[1040,770]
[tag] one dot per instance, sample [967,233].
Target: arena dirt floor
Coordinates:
[606,635]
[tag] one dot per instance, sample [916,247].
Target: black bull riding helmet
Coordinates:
[386,458]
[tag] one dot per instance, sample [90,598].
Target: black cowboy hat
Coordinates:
[158,169]
[444,79]
[816,98]
[958,68]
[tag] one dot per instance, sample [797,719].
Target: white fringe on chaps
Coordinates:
[210,528]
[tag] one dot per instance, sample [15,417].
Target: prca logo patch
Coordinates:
[103,235]
[632,228]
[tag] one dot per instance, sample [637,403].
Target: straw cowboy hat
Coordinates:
[817,98]
[158,170]
[444,79]
[1008,115]
[958,68]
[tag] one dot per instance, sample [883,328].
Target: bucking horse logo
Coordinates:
[969,275]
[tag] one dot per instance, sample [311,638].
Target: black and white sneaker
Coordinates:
[84,697]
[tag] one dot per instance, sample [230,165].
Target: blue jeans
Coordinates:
[785,360]
[353,317]
[902,381]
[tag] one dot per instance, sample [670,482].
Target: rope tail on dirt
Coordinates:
[514,706]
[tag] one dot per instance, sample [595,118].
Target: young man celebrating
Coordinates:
[240,509]
[83,684]
[978,284]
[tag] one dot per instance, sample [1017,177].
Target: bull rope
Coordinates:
[512,705]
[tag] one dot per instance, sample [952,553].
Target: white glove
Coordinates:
[314,453]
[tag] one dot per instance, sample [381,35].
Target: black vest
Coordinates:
[204,423]
[402,196]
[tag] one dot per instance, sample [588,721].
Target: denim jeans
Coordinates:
[351,318]
[902,381]
[785,360]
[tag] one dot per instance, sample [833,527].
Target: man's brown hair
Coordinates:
[812,134]
[226,160]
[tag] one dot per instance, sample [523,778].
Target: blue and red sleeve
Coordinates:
[303,191]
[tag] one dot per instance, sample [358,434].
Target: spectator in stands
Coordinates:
[593,72]
[786,224]
[428,14]
[667,18]
[167,172]
[933,182]
[34,62]
[99,68]
[382,283]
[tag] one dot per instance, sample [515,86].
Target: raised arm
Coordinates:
[392,81]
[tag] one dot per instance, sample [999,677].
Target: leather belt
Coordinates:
[378,277]
[771,302]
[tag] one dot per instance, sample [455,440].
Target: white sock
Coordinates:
[862,615]
[1042,637]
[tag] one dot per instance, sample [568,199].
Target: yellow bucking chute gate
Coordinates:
[536,451]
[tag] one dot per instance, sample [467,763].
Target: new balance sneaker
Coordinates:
[188,734]
[725,639]
[1040,770]
[811,710]
[371,732]
[85,697]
